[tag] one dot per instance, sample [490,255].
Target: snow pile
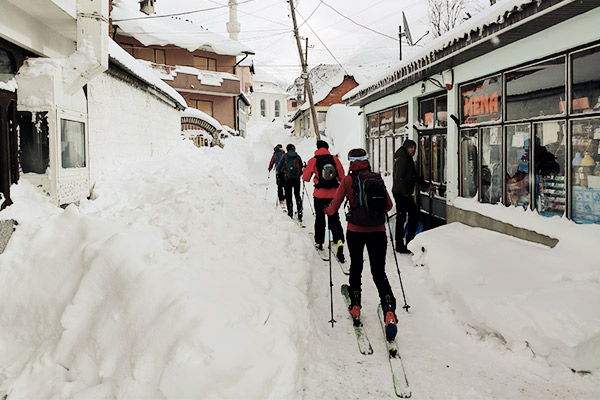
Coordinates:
[172,283]
[142,71]
[528,295]
[163,31]
[343,129]
[10,85]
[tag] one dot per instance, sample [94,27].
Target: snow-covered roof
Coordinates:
[470,29]
[162,31]
[195,113]
[138,69]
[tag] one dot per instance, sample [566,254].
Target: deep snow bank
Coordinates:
[158,288]
[527,294]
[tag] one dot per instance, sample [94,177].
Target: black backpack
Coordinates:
[370,200]
[293,166]
[326,172]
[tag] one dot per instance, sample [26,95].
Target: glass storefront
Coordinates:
[517,165]
[549,167]
[585,176]
[548,158]
[386,132]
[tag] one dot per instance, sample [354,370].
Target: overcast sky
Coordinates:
[266,27]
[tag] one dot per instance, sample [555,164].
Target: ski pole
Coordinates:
[268,181]
[309,205]
[406,306]
[333,321]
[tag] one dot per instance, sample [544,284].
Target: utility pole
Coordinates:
[306,61]
[305,73]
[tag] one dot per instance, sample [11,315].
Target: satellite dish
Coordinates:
[407,34]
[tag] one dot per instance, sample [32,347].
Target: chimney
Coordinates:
[147,6]
[233,26]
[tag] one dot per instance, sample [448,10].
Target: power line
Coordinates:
[324,45]
[176,14]
[356,23]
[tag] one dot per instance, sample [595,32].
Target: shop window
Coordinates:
[277,108]
[437,159]
[491,165]
[6,67]
[549,167]
[481,101]
[468,162]
[426,112]
[33,136]
[386,123]
[373,125]
[441,113]
[401,119]
[586,170]
[389,165]
[375,160]
[72,143]
[205,63]
[517,165]
[537,90]
[424,156]
[263,108]
[585,88]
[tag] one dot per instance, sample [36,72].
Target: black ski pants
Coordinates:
[280,187]
[333,221]
[376,243]
[293,184]
[405,205]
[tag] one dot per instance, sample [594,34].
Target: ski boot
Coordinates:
[391,327]
[355,313]
[339,252]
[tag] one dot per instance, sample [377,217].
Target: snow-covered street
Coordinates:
[181,279]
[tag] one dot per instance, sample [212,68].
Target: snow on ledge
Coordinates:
[10,85]
[137,68]
[193,112]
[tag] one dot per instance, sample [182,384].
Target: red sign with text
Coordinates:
[481,101]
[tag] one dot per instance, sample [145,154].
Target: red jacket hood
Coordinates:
[321,152]
[359,166]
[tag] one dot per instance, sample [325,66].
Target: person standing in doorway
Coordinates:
[369,203]
[405,178]
[278,153]
[328,173]
[290,167]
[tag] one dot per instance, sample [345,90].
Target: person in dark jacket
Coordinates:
[278,152]
[365,233]
[290,167]
[323,194]
[405,179]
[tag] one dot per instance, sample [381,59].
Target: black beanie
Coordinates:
[322,144]
[408,144]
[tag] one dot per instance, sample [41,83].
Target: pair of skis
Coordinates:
[401,387]
[345,267]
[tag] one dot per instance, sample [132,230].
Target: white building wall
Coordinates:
[127,124]
[270,99]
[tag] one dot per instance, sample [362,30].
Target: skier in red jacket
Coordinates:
[328,172]
[366,228]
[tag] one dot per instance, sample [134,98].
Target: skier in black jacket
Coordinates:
[405,178]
